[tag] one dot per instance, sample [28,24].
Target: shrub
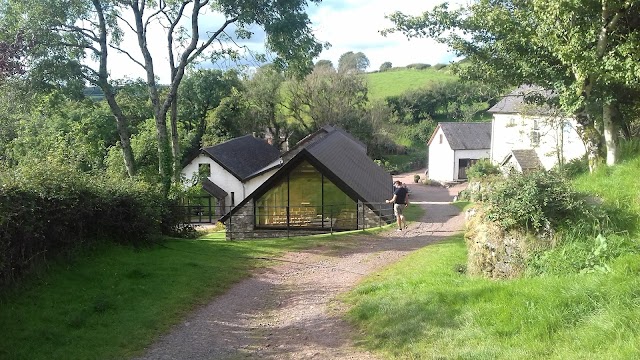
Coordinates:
[482,168]
[418,66]
[535,201]
[576,167]
[439,66]
[416,178]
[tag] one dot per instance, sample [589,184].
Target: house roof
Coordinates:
[465,135]
[318,135]
[526,99]
[244,157]
[342,160]
[526,158]
[213,189]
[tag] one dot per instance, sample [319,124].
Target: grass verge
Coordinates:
[424,308]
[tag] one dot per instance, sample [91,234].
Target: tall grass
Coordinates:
[423,308]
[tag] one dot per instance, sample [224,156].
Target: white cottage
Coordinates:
[454,146]
[233,169]
[539,134]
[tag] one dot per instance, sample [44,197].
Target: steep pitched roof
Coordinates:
[466,135]
[316,136]
[526,158]
[523,101]
[244,157]
[342,160]
[213,189]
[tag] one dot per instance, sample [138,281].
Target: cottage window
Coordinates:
[440,139]
[204,170]
[233,199]
[535,138]
[305,199]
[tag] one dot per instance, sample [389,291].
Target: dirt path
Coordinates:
[289,311]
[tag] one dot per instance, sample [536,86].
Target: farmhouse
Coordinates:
[327,183]
[454,146]
[233,169]
[525,133]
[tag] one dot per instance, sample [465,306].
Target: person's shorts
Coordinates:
[398,209]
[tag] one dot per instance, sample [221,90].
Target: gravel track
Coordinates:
[289,310]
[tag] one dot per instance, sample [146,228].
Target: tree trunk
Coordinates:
[123,131]
[175,141]
[610,133]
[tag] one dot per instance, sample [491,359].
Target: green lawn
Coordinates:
[423,308]
[397,81]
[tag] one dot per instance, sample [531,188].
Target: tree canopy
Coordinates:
[587,51]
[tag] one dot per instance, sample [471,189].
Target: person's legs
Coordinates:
[398,212]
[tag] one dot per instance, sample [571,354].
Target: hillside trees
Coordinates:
[70,31]
[353,62]
[586,51]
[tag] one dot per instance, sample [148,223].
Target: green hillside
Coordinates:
[398,80]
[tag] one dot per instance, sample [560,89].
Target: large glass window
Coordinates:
[305,198]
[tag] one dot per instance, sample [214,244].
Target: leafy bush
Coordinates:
[48,208]
[629,149]
[536,201]
[482,168]
[416,178]
[439,66]
[576,167]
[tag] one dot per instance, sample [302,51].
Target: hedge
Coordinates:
[47,209]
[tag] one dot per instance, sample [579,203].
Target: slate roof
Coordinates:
[526,158]
[213,189]
[523,101]
[466,135]
[244,157]
[344,162]
[316,136]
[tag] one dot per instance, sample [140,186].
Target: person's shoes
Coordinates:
[400,229]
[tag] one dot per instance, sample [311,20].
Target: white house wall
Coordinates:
[513,132]
[225,180]
[468,154]
[441,159]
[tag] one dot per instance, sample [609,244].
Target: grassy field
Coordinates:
[109,303]
[424,307]
[397,81]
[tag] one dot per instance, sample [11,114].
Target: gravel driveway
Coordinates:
[290,311]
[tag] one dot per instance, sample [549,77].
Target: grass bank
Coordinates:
[423,308]
[396,81]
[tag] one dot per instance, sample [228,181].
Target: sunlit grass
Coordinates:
[397,81]
[423,308]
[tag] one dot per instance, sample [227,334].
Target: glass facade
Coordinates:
[306,199]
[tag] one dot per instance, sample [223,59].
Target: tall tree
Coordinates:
[584,50]
[353,62]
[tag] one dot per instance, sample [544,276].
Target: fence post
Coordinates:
[230,227]
[331,218]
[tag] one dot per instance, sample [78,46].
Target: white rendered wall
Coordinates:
[225,180]
[441,159]
[513,132]
[468,154]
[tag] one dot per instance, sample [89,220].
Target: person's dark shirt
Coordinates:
[401,195]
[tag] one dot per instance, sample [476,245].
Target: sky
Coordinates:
[348,25]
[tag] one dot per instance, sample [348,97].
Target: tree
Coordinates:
[329,97]
[385,66]
[324,63]
[353,62]
[71,29]
[581,49]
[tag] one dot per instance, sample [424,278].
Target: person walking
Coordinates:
[400,200]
